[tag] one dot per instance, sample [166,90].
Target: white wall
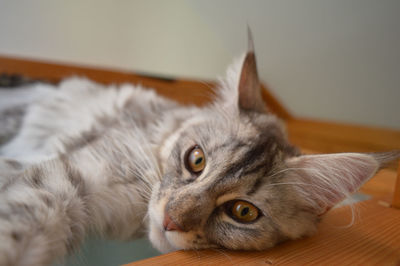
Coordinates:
[336,60]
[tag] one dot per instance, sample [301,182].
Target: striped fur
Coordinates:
[111,160]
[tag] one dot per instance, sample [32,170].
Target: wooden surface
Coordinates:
[331,137]
[396,196]
[374,238]
[183,90]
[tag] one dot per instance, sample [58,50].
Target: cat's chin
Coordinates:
[156,231]
[167,241]
[159,240]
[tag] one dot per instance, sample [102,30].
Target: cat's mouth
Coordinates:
[163,239]
[168,241]
[167,236]
[159,237]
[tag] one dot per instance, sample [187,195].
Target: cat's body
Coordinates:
[101,142]
[118,161]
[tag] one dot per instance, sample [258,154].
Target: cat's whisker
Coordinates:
[299,184]
[353,216]
[145,217]
[209,94]
[128,160]
[208,86]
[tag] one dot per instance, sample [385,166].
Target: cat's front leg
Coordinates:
[42,214]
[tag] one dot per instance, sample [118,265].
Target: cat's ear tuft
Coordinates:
[250,97]
[325,180]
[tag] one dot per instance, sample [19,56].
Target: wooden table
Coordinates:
[373,239]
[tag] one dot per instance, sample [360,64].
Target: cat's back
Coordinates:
[78,108]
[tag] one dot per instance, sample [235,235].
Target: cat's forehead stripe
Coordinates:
[255,159]
[231,144]
[256,185]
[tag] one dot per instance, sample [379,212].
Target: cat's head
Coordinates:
[231,179]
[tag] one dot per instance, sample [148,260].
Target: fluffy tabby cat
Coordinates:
[122,161]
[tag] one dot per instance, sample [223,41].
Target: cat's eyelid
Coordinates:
[226,218]
[226,198]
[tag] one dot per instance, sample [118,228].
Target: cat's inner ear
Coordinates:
[250,97]
[325,180]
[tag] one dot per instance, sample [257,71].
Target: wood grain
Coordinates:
[333,137]
[396,196]
[374,239]
[382,186]
[323,136]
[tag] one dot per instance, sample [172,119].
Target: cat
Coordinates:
[122,161]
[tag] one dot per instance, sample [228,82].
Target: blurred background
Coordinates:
[330,60]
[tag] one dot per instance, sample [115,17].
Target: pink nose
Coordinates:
[170,225]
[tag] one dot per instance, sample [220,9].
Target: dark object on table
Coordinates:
[14,80]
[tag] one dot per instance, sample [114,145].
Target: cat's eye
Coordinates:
[195,160]
[244,211]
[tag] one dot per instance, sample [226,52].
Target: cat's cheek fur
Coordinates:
[158,239]
[156,230]
[187,240]
[167,241]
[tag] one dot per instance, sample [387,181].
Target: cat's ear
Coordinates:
[325,180]
[250,97]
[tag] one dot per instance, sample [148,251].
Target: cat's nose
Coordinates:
[169,224]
